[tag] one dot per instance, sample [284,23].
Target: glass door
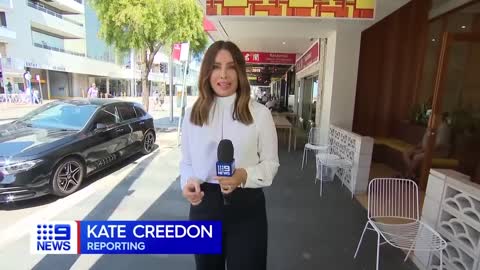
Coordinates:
[307,102]
[308,99]
[454,126]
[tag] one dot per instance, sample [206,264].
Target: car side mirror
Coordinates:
[100,127]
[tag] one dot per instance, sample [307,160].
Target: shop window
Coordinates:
[3,19]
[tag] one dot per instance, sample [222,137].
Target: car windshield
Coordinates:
[65,116]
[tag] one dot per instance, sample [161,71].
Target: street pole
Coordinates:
[182,101]
[133,84]
[41,94]
[170,74]
[3,81]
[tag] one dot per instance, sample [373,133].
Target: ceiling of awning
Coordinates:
[289,34]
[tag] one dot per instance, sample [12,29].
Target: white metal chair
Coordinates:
[397,199]
[328,159]
[323,159]
[313,144]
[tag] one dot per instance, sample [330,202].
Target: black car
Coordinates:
[53,148]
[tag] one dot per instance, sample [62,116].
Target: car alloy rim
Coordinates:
[149,140]
[69,176]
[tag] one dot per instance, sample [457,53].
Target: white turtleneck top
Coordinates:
[255,145]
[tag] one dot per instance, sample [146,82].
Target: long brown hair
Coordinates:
[204,103]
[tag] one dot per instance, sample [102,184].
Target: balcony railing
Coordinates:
[45,9]
[102,58]
[51,48]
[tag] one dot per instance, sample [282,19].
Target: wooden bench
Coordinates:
[406,136]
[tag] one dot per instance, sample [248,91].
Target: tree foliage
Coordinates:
[148,25]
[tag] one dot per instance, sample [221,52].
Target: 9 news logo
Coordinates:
[224,170]
[54,238]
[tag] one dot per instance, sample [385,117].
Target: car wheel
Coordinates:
[148,142]
[68,176]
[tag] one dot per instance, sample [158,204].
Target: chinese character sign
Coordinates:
[269,58]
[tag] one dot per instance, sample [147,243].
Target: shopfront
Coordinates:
[306,99]
[12,74]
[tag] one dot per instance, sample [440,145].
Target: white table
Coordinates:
[281,122]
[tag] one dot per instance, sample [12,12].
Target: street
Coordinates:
[123,192]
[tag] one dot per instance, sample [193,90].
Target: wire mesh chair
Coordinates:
[327,159]
[393,213]
[313,144]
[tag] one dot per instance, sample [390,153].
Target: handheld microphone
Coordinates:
[226,162]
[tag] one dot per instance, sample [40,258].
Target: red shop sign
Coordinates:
[269,58]
[177,48]
[309,58]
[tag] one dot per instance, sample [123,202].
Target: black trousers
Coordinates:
[244,223]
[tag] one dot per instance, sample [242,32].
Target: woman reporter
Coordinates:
[224,110]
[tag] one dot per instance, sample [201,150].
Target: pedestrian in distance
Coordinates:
[92,91]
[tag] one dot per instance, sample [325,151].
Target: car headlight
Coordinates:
[17,167]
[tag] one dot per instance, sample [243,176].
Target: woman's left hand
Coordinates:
[229,184]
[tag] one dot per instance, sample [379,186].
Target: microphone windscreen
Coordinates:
[225,151]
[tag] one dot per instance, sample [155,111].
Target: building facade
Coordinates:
[57,42]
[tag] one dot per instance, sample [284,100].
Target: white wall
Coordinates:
[347,54]
[79,84]
[340,80]
[328,55]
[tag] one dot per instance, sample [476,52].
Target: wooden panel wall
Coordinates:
[391,62]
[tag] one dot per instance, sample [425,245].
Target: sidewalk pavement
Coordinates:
[10,111]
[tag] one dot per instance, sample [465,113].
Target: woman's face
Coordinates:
[224,78]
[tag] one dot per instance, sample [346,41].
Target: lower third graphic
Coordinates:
[54,238]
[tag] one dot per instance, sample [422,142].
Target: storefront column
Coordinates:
[48,85]
[340,80]
[321,88]
[108,86]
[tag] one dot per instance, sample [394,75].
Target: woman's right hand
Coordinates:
[192,192]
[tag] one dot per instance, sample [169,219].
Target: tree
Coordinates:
[149,25]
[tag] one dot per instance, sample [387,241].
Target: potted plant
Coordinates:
[420,114]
